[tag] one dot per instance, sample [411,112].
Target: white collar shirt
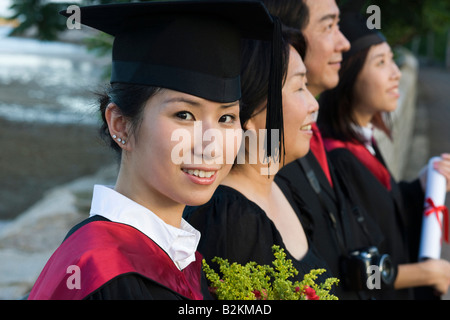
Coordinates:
[179,243]
[367,134]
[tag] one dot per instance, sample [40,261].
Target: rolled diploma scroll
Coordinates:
[432,228]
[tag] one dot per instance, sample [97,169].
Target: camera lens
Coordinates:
[387,270]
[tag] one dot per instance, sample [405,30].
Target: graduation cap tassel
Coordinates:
[274,113]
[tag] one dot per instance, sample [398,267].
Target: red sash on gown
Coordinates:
[103,250]
[364,156]
[318,149]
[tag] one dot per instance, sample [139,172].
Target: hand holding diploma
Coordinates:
[435,219]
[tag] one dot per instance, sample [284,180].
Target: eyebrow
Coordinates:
[381,55]
[331,16]
[300,74]
[198,104]
[229,105]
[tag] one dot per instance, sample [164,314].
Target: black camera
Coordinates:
[358,267]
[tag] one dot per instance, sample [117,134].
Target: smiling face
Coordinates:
[153,176]
[325,45]
[376,87]
[299,109]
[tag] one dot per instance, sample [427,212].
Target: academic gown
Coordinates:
[336,224]
[115,261]
[395,207]
[236,228]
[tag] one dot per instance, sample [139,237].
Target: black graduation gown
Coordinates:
[237,229]
[337,225]
[397,212]
[135,283]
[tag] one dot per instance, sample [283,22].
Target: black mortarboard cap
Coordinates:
[354,27]
[189,46]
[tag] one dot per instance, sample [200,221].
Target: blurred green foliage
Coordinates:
[40,14]
[43,15]
[402,20]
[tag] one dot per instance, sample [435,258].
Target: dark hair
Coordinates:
[131,100]
[255,73]
[292,13]
[255,70]
[296,39]
[336,105]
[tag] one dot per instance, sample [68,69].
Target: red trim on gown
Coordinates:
[318,149]
[364,156]
[104,250]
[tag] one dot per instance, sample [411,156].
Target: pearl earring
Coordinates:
[119,139]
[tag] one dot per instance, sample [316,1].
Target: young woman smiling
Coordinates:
[135,245]
[168,187]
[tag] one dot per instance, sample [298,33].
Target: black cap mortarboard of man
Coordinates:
[354,27]
[189,46]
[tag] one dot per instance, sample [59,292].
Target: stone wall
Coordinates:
[27,242]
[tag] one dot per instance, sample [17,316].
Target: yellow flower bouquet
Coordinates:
[256,282]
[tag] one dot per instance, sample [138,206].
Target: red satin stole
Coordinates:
[103,250]
[318,149]
[365,157]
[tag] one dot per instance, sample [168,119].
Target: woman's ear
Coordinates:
[257,121]
[117,125]
[248,125]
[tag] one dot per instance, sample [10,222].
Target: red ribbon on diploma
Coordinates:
[431,208]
